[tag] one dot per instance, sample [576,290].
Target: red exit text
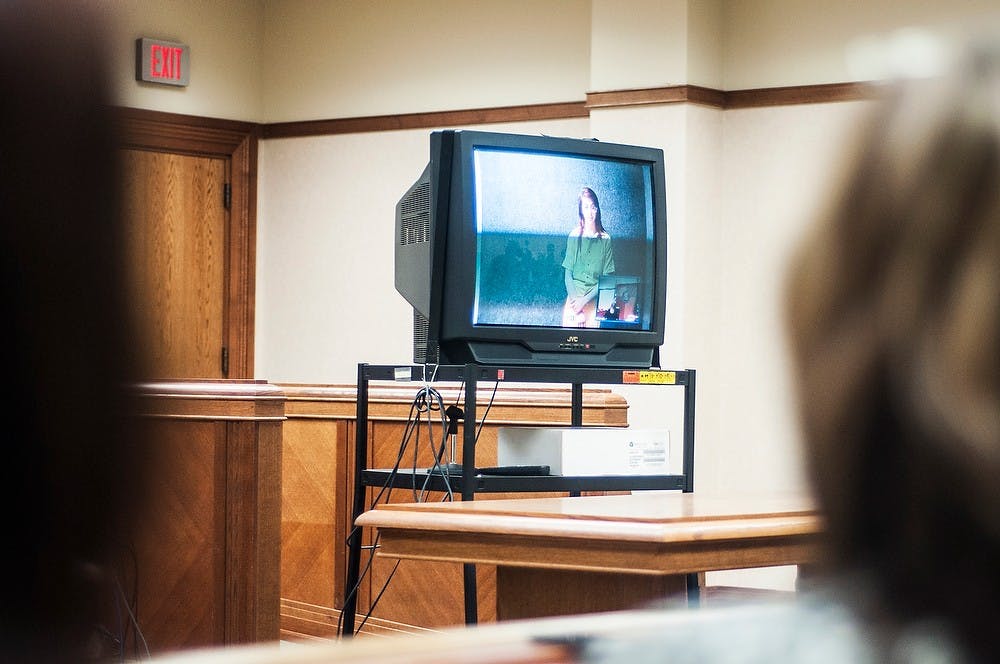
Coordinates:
[165,62]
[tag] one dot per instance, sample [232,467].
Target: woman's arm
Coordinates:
[577,299]
[571,289]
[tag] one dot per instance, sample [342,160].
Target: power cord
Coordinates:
[426,402]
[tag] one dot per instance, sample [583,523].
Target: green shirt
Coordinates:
[587,258]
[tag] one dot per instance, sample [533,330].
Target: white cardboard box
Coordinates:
[586,451]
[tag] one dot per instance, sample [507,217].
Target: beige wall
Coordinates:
[284,60]
[639,44]
[772,43]
[741,184]
[295,60]
[373,57]
[224,37]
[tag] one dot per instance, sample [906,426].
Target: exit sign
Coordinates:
[158,61]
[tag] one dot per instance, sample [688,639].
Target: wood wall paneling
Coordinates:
[318,458]
[207,549]
[593,592]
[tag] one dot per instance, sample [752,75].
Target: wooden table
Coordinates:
[563,556]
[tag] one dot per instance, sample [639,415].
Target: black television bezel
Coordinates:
[453,263]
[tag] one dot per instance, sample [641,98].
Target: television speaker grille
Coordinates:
[415,216]
[424,352]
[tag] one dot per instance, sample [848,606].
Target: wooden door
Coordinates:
[177,248]
[178,165]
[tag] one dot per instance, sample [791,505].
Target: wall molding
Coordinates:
[801,94]
[558,111]
[677,94]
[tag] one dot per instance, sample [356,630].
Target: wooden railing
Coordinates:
[244,538]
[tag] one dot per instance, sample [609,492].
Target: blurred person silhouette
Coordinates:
[893,314]
[70,477]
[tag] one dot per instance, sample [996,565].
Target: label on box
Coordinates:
[647,453]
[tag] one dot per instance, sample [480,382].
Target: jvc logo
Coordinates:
[572,340]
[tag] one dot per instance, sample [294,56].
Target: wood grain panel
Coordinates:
[310,623]
[598,553]
[234,143]
[207,553]
[569,592]
[317,446]
[318,449]
[570,555]
[180,551]
[177,250]
[427,594]
[253,530]
[311,493]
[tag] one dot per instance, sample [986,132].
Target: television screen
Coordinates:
[531,229]
[519,249]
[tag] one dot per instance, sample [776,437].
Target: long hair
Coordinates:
[588,193]
[893,308]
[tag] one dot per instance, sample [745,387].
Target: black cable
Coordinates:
[411,424]
[132,617]
[489,405]
[436,403]
[426,400]
[430,400]
[137,632]
[385,587]
[386,489]
[122,629]
[436,452]
[416,452]
[124,565]
[357,586]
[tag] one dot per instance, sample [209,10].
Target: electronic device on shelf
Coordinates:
[526,470]
[482,235]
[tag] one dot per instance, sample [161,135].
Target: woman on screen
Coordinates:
[589,255]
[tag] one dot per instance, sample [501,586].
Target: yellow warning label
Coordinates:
[650,377]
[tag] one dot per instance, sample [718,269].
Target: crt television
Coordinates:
[497,231]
